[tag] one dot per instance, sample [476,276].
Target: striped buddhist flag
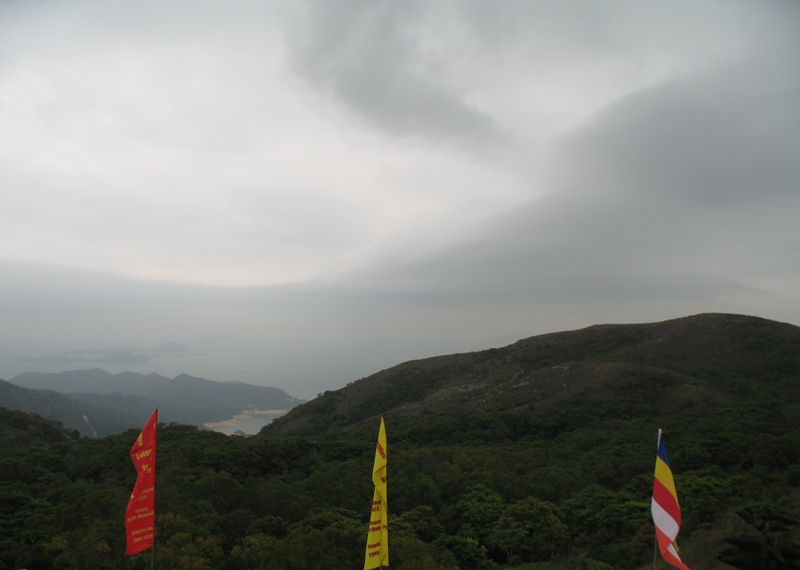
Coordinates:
[665,508]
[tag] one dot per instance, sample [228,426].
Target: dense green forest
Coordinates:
[559,476]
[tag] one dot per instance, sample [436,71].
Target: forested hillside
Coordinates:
[542,452]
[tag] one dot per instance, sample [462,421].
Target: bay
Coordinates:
[249,422]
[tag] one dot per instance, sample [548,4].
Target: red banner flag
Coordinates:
[140,516]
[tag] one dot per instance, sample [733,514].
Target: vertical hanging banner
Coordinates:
[665,508]
[377,554]
[140,519]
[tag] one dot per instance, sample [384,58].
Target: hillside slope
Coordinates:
[572,417]
[653,369]
[24,430]
[88,419]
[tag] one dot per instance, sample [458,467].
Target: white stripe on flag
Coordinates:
[671,549]
[664,522]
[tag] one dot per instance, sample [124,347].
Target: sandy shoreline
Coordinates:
[245,415]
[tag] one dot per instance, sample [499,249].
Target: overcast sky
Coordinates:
[349,185]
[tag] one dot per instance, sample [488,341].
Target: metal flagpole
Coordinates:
[655,534]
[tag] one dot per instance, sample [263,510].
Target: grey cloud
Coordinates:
[713,142]
[369,57]
[681,191]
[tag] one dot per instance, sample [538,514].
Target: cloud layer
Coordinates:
[414,177]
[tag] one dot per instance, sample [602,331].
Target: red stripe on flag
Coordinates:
[666,500]
[664,543]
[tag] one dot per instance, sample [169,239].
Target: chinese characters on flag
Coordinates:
[140,515]
[377,555]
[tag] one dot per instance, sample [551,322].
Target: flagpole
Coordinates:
[655,534]
[655,551]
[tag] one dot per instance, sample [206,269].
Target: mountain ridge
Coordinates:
[115,402]
[691,354]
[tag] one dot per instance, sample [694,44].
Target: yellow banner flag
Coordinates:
[377,554]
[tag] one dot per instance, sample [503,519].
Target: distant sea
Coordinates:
[249,422]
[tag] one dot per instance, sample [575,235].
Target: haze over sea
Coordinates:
[302,369]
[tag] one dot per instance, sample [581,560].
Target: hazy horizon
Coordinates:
[268,349]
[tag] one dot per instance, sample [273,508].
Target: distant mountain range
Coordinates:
[96,402]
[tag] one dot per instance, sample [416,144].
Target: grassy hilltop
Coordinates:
[656,371]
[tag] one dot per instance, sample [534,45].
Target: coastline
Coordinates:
[244,416]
